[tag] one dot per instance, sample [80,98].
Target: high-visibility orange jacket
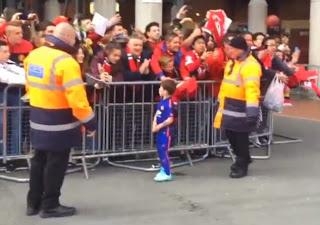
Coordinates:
[239,95]
[58,100]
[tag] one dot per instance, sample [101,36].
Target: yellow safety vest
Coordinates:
[239,94]
[57,95]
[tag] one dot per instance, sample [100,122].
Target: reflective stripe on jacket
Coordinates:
[239,95]
[58,99]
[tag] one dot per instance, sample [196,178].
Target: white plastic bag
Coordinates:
[274,98]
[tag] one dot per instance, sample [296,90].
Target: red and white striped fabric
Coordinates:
[217,24]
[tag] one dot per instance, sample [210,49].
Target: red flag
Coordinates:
[217,24]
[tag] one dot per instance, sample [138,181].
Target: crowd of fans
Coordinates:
[185,52]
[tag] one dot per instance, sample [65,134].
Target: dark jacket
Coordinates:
[129,75]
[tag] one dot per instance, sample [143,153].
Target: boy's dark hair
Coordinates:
[152,24]
[169,85]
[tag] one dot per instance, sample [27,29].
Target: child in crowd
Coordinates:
[167,65]
[162,125]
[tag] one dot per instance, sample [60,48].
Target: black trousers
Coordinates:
[46,178]
[239,142]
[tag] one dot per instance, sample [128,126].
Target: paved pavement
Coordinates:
[303,108]
[280,191]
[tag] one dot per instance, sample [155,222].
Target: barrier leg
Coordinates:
[289,140]
[232,155]
[85,168]
[14,179]
[122,164]
[189,158]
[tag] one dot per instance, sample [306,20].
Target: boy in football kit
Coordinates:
[162,126]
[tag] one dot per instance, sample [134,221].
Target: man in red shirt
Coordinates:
[170,47]
[194,62]
[153,35]
[19,47]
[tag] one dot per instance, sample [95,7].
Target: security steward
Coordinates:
[59,108]
[238,100]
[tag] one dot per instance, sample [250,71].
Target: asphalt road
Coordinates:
[282,190]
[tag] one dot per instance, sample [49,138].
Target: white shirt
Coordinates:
[10,73]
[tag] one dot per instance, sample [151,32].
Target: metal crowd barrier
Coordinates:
[125,111]
[261,139]
[15,146]
[14,134]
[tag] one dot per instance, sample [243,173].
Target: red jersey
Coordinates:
[20,51]
[267,61]
[193,66]
[107,67]
[162,50]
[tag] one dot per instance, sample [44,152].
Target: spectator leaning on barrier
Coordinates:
[194,63]
[238,98]
[216,63]
[272,62]
[52,73]
[135,64]
[171,47]
[103,63]
[10,73]
[82,57]
[167,66]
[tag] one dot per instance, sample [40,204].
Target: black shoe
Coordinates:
[31,211]
[60,211]
[239,173]
[235,164]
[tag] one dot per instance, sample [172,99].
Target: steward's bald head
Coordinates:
[66,33]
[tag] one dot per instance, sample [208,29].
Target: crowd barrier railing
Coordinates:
[124,111]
